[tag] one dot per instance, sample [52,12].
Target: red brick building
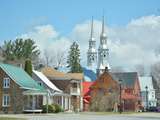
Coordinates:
[108,84]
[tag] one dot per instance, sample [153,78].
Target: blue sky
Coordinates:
[19,16]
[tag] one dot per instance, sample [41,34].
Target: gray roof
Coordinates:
[128,78]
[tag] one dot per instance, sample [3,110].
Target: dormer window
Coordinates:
[40,83]
[6,82]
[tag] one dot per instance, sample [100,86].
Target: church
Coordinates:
[97,60]
[98,70]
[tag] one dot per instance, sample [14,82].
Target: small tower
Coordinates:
[103,52]
[92,53]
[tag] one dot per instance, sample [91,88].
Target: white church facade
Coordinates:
[98,60]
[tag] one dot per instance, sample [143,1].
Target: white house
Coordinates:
[53,91]
[147,92]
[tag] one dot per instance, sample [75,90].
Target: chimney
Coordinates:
[106,69]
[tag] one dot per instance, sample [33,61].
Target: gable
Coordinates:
[20,77]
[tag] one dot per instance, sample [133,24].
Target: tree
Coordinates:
[19,50]
[7,50]
[140,68]
[74,59]
[28,67]
[54,58]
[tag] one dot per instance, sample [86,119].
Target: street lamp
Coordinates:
[120,98]
[146,98]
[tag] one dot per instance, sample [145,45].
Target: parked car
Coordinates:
[158,109]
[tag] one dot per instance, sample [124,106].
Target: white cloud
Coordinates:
[132,44]
[129,45]
[48,39]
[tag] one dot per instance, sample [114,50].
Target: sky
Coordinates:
[132,26]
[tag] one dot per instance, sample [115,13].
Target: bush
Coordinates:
[58,108]
[51,109]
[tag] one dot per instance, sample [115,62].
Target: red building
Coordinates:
[86,95]
[131,100]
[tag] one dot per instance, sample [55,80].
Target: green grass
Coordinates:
[6,118]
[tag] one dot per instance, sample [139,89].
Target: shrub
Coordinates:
[51,109]
[58,108]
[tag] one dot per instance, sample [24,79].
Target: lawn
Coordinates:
[6,118]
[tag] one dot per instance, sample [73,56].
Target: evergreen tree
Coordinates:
[20,49]
[74,59]
[28,67]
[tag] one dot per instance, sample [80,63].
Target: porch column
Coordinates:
[62,102]
[81,103]
[69,103]
[33,102]
[28,101]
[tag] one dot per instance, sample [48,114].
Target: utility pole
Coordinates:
[120,98]
[146,98]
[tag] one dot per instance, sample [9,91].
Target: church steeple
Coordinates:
[103,51]
[92,54]
[103,24]
[91,28]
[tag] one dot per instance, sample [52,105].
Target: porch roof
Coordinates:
[34,92]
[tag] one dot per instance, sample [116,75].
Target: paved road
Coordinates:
[90,116]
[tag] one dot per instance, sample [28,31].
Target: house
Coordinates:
[107,88]
[70,84]
[131,98]
[156,87]
[52,90]
[18,91]
[147,92]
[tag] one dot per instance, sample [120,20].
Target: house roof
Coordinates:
[52,73]
[20,77]
[76,76]
[146,81]
[46,81]
[128,78]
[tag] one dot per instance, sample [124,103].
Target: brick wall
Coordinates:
[15,93]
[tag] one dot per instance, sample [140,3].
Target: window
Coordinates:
[74,85]
[6,83]
[6,100]
[40,83]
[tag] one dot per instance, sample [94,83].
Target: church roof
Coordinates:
[89,74]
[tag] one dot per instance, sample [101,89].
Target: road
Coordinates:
[89,116]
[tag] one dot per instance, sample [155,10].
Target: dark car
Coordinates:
[152,109]
[158,109]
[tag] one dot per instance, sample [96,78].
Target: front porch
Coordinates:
[33,101]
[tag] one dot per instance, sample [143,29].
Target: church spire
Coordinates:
[103,34]
[102,24]
[91,37]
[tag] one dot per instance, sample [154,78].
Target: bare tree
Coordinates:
[48,59]
[104,102]
[155,71]
[117,69]
[140,69]
[55,58]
